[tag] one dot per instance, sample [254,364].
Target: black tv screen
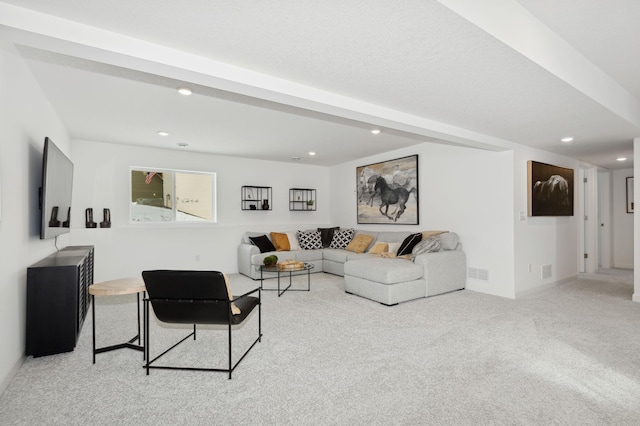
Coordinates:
[57,182]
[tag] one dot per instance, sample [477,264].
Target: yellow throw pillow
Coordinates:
[360,243]
[281,241]
[234,309]
[380,247]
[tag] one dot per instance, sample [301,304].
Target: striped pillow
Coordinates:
[429,245]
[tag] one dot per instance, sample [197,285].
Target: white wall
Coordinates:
[622,221]
[468,191]
[26,117]
[542,241]
[605,221]
[101,180]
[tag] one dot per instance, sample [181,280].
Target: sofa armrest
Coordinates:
[245,251]
[444,271]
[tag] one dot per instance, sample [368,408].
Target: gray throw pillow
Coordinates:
[449,240]
[428,245]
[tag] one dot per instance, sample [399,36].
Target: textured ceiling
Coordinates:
[422,60]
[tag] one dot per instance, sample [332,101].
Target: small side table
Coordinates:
[116,288]
[307,267]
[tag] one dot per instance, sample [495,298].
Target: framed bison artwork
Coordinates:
[388,192]
[550,190]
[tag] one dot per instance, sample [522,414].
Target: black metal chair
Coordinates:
[196,297]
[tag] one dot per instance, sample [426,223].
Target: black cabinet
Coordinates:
[58,300]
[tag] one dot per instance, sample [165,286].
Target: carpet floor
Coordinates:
[569,355]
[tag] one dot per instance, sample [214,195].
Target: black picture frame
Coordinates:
[550,190]
[399,182]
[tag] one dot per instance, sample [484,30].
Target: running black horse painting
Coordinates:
[387,192]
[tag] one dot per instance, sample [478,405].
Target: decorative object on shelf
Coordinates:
[106,223]
[302,199]
[270,261]
[393,186]
[67,223]
[88,218]
[255,198]
[549,190]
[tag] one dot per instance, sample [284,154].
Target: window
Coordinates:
[174,196]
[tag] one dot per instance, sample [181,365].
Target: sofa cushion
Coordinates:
[385,271]
[293,241]
[263,243]
[379,247]
[429,245]
[392,236]
[309,240]
[341,238]
[280,241]
[449,240]
[335,255]
[409,243]
[307,255]
[359,243]
[326,235]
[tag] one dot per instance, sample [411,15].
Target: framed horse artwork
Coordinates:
[387,192]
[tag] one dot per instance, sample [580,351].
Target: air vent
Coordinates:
[478,274]
[546,271]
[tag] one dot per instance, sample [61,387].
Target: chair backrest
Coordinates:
[188,297]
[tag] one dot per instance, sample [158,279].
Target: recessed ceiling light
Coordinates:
[375,131]
[621,158]
[311,153]
[567,139]
[184,91]
[163,133]
[295,158]
[182,144]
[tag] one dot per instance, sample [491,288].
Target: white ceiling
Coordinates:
[317,76]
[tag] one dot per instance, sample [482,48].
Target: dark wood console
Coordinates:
[58,300]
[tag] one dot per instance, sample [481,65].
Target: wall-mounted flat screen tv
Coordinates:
[57,183]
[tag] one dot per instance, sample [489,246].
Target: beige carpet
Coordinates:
[569,355]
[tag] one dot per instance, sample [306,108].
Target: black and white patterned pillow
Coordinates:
[341,238]
[309,240]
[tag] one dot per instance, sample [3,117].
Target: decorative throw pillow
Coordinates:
[281,241]
[393,247]
[293,241]
[359,243]
[429,245]
[326,235]
[309,240]
[379,247]
[449,241]
[409,243]
[263,243]
[234,309]
[341,238]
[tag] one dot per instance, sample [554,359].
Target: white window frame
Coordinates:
[174,209]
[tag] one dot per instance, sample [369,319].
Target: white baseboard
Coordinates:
[547,286]
[12,373]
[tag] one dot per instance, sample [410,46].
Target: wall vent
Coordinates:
[478,273]
[546,271]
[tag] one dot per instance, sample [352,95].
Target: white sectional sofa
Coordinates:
[385,279]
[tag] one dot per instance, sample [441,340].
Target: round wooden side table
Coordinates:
[117,288]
